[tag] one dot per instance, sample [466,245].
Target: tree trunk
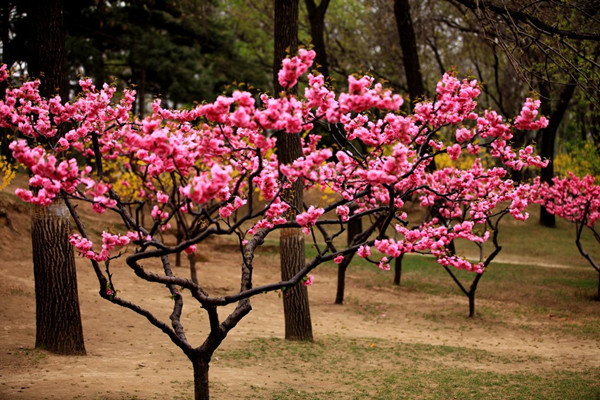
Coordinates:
[46,45]
[295,299]
[193,271]
[398,270]
[58,320]
[341,283]
[201,390]
[410,60]
[410,55]
[289,148]
[548,138]
[316,18]
[471,297]
[354,228]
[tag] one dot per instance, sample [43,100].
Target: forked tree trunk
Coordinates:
[58,320]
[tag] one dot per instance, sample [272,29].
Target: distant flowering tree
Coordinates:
[577,200]
[214,167]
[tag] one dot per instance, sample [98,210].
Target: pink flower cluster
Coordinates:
[572,198]
[293,68]
[109,242]
[219,157]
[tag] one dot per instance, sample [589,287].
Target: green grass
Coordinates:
[367,368]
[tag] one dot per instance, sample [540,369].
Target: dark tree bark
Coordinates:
[398,270]
[201,391]
[58,320]
[354,228]
[46,45]
[316,18]
[289,147]
[410,55]
[57,306]
[414,78]
[548,138]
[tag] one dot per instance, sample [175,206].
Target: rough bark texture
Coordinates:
[58,320]
[295,300]
[46,45]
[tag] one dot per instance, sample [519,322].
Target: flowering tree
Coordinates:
[577,200]
[210,165]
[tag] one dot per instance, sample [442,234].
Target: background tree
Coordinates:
[58,319]
[296,307]
[553,46]
[316,18]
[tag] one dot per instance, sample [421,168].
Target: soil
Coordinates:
[128,358]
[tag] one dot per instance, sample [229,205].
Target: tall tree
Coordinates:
[548,136]
[58,319]
[410,55]
[296,309]
[316,18]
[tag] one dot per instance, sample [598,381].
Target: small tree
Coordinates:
[209,165]
[578,201]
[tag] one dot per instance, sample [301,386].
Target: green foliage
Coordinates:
[183,51]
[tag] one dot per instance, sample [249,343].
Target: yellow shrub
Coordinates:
[6,171]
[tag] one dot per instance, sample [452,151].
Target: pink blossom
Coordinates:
[190,249]
[308,280]
[338,259]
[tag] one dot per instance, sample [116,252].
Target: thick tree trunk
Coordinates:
[295,299]
[410,55]
[316,18]
[548,138]
[58,320]
[46,45]
[410,60]
[289,148]
[201,390]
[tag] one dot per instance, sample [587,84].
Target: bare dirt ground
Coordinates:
[128,358]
